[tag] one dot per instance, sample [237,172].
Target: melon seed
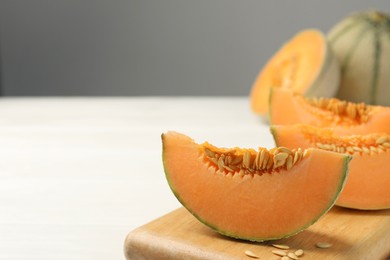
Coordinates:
[279,163]
[285,258]
[270,162]
[264,162]
[381,140]
[247,159]
[295,158]
[386,144]
[299,252]
[250,254]
[214,160]
[365,150]
[323,245]
[289,162]
[279,252]
[282,149]
[228,168]
[280,156]
[228,160]
[285,247]
[257,162]
[292,256]
[236,160]
[209,153]
[221,164]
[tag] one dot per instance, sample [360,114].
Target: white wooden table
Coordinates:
[77,174]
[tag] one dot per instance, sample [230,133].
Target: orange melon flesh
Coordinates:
[288,108]
[253,207]
[295,66]
[368,183]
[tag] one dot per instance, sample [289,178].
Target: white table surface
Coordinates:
[78,174]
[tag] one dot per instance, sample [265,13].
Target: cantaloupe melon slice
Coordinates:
[346,118]
[253,195]
[305,64]
[368,184]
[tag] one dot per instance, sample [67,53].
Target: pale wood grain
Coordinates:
[76,174]
[178,235]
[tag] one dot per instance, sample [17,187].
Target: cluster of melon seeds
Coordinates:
[353,145]
[249,161]
[282,250]
[341,111]
[286,253]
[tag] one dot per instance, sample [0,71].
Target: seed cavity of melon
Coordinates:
[249,161]
[341,110]
[352,145]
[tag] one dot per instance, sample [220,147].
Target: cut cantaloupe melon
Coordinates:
[253,195]
[305,64]
[368,183]
[346,118]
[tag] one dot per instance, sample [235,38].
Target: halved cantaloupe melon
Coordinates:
[345,117]
[305,64]
[368,183]
[253,195]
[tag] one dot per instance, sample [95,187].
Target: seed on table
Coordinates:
[292,256]
[323,245]
[279,252]
[280,246]
[285,258]
[299,252]
[251,254]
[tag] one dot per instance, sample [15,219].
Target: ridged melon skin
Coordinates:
[361,43]
[222,231]
[327,81]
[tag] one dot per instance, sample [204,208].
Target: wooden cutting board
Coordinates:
[178,235]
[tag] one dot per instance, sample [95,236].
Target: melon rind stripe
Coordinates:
[343,31]
[376,68]
[322,76]
[347,58]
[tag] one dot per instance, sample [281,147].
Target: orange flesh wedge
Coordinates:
[368,183]
[257,206]
[346,118]
[295,66]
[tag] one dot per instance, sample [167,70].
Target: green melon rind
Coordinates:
[327,80]
[372,92]
[344,176]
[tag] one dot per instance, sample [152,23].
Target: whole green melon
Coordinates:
[361,43]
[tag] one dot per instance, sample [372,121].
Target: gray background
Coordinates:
[150,47]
